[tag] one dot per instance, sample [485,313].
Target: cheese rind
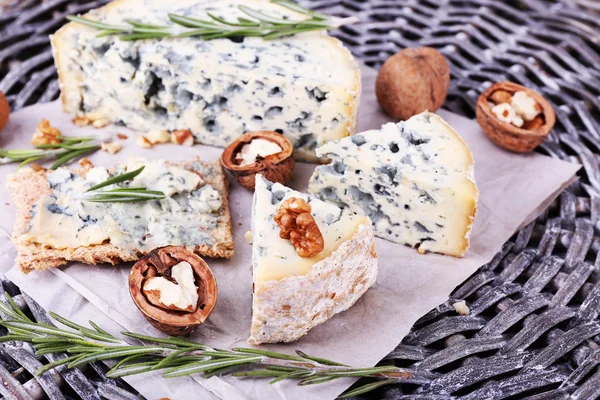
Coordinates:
[306,86]
[293,294]
[414,179]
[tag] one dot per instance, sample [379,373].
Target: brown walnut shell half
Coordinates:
[507,135]
[276,167]
[159,263]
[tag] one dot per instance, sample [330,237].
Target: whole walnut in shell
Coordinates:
[4,110]
[413,81]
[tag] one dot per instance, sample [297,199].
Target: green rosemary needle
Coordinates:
[255,23]
[123,194]
[177,356]
[69,148]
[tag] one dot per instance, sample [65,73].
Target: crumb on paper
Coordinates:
[248,236]
[45,134]
[461,307]
[122,136]
[143,142]
[111,147]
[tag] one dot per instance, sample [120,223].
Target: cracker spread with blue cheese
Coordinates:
[55,224]
[306,86]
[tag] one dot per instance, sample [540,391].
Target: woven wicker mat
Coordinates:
[533,331]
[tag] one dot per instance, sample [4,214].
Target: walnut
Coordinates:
[514,117]
[299,226]
[111,147]
[37,167]
[122,136]
[143,142]
[45,134]
[81,121]
[85,163]
[277,167]
[183,137]
[157,136]
[4,110]
[413,81]
[100,123]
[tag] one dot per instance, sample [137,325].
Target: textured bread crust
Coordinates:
[69,78]
[285,310]
[28,187]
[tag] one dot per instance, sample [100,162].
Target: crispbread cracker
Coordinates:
[28,186]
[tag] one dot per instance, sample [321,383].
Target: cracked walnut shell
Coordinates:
[506,135]
[159,263]
[276,167]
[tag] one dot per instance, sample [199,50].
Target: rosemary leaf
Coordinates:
[202,366]
[299,9]
[68,156]
[95,24]
[261,16]
[146,26]
[127,176]
[366,388]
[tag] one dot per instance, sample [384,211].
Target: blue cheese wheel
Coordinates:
[414,179]
[305,86]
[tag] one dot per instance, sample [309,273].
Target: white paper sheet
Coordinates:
[513,187]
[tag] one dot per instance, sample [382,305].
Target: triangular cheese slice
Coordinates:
[414,179]
[293,294]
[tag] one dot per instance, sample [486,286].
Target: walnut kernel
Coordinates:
[81,121]
[111,147]
[157,136]
[85,163]
[183,137]
[45,134]
[298,225]
[142,141]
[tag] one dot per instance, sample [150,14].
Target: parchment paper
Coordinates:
[513,188]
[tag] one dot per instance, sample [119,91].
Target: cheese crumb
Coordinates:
[257,148]
[525,106]
[248,236]
[461,307]
[505,112]
[181,296]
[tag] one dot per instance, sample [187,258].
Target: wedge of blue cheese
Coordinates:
[414,179]
[55,224]
[305,87]
[292,294]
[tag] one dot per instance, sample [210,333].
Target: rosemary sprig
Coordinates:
[178,356]
[121,195]
[69,148]
[254,23]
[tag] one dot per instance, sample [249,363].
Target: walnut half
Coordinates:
[298,225]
